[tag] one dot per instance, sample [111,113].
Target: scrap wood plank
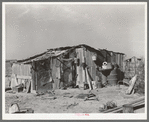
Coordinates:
[134,105]
[120,108]
[132,81]
[88,79]
[23,77]
[141,99]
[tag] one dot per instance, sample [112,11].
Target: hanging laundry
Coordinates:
[13,81]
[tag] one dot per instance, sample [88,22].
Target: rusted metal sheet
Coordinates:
[93,68]
[112,57]
[90,66]
[116,58]
[33,83]
[79,52]
[103,52]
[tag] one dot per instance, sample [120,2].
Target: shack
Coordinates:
[63,67]
[131,66]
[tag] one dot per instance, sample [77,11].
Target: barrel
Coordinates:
[99,85]
[104,78]
[112,78]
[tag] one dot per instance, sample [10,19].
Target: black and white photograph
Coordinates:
[74,60]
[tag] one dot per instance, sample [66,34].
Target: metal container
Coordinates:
[99,85]
[107,65]
[112,78]
[104,77]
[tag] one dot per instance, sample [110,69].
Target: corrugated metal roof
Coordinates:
[58,51]
[111,51]
[46,56]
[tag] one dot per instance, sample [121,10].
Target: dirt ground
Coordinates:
[68,101]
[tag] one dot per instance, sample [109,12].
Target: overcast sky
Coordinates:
[32,29]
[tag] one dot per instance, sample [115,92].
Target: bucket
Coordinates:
[104,65]
[109,66]
[127,108]
[112,78]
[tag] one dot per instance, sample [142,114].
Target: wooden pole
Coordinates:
[83,67]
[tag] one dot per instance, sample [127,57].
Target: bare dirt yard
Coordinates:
[70,100]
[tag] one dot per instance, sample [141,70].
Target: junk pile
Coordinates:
[72,105]
[91,96]
[15,109]
[108,105]
[140,82]
[86,97]
[16,86]
[130,89]
[127,108]
[135,66]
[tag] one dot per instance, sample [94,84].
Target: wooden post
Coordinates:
[135,65]
[77,67]
[130,88]
[127,108]
[83,66]
[88,79]
[36,81]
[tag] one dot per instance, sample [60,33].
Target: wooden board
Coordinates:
[132,81]
[24,77]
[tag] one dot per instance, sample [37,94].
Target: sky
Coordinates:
[33,28]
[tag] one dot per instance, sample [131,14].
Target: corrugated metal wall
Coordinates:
[131,67]
[92,66]
[79,52]
[119,58]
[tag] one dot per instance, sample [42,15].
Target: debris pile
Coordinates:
[108,105]
[140,82]
[14,109]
